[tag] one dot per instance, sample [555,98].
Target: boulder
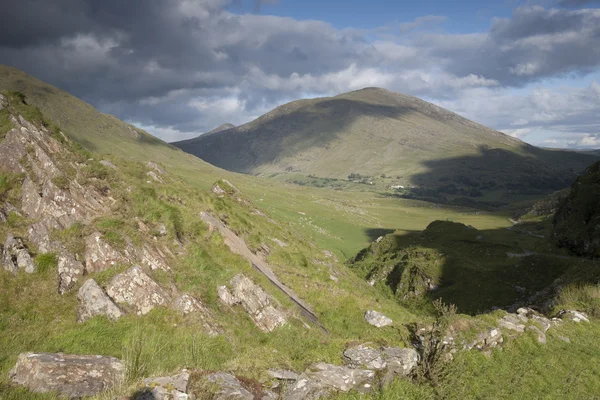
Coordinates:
[173,387]
[377,319]
[257,303]
[94,301]
[569,315]
[137,289]
[322,379]
[99,255]
[363,356]
[16,257]
[400,361]
[227,387]
[511,322]
[69,375]
[283,374]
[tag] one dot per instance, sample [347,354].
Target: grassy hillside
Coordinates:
[383,139]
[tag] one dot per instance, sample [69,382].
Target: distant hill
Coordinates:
[387,139]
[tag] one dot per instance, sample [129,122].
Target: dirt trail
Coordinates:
[237,245]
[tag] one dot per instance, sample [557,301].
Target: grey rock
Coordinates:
[400,361]
[154,259]
[511,322]
[108,164]
[322,379]
[155,177]
[3,102]
[257,303]
[156,167]
[363,356]
[228,387]
[137,289]
[188,305]
[167,387]
[69,272]
[571,315]
[16,257]
[541,336]
[162,230]
[377,319]
[69,375]
[2,216]
[283,374]
[99,255]
[564,339]
[94,301]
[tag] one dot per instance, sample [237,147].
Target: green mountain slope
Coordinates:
[386,139]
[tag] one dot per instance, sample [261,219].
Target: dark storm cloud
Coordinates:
[185,64]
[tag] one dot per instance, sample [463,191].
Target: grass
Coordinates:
[33,317]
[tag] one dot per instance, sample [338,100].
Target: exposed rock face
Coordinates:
[321,379]
[15,256]
[137,289]
[257,303]
[94,301]
[400,361]
[69,375]
[187,305]
[99,255]
[69,272]
[363,356]
[228,387]
[166,387]
[577,221]
[154,258]
[377,319]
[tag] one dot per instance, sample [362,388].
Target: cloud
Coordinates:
[189,65]
[577,3]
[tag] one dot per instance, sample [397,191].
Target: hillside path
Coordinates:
[238,246]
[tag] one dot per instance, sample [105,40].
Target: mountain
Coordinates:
[386,139]
[223,127]
[130,269]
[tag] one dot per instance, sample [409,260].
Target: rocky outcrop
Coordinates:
[69,271]
[363,356]
[173,387]
[138,290]
[377,319]
[99,255]
[94,301]
[257,303]
[16,257]
[188,305]
[69,375]
[322,379]
[227,387]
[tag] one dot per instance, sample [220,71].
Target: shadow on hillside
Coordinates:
[496,177]
[476,270]
[374,233]
[263,146]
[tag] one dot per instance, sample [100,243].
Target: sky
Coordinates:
[178,68]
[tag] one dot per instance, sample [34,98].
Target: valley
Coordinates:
[190,280]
